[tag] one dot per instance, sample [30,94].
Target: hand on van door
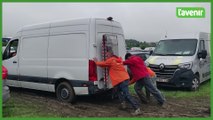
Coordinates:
[106,63]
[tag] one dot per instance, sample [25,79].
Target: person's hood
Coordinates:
[118,59]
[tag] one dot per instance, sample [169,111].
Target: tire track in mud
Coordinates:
[99,106]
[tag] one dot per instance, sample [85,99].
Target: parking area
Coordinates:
[31,103]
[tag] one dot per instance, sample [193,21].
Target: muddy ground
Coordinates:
[101,106]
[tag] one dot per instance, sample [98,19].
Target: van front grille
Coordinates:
[165,73]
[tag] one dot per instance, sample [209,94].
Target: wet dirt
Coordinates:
[102,106]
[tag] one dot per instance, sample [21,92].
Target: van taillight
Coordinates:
[92,71]
[4,73]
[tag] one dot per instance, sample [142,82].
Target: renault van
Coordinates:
[58,56]
[182,60]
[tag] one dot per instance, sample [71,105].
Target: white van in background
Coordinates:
[182,60]
[149,49]
[58,56]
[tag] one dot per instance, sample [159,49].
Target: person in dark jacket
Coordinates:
[142,78]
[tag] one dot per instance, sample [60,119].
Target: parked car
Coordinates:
[6,90]
[143,54]
[182,60]
[136,49]
[149,48]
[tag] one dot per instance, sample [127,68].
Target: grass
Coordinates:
[203,91]
[16,107]
[23,109]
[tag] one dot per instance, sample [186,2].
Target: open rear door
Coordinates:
[108,41]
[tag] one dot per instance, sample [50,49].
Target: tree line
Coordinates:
[134,43]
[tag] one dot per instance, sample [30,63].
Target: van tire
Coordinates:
[195,83]
[65,92]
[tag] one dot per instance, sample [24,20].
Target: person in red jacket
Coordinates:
[141,76]
[119,78]
[146,98]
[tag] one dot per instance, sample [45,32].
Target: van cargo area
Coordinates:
[58,56]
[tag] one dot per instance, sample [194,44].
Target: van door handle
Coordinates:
[14,61]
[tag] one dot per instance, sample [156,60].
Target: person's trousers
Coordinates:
[150,87]
[153,80]
[124,95]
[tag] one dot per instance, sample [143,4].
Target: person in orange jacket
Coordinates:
[152,76]
[153,79]
[120,79]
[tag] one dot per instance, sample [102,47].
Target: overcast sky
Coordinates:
[140,21]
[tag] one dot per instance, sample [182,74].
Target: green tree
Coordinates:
[134,43]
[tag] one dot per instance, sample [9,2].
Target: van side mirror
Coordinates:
[202,54]
[151,51]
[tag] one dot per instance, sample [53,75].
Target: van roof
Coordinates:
[62,23]
[196,35]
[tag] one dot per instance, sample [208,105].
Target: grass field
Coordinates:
[21,105]
[15,107]
[203,91]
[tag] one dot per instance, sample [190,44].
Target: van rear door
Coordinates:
[108,41]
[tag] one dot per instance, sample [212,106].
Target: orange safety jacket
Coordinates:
[151,73]
[117,72]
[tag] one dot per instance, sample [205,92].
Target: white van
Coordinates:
[58,56]
[182,60]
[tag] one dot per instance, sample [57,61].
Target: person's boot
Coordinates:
[137,112]
[143,98]
[163,105]
[123,105]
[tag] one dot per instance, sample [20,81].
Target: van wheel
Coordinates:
[65,92]
[195,83]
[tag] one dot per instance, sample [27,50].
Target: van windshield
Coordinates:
[176,47]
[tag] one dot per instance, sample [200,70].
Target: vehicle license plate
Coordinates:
[162,80]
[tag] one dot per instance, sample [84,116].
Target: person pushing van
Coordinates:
[119,78]
[141,76]
[153,78]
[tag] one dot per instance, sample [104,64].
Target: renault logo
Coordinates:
[161,66]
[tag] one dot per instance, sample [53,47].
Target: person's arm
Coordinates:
[106,63]
[128,62]
[101,64]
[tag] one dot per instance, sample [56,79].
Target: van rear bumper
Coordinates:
[181,78]
[92,88]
